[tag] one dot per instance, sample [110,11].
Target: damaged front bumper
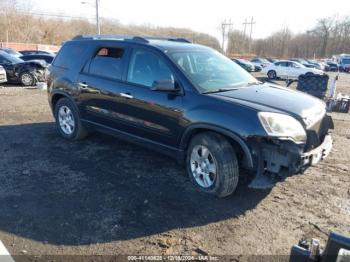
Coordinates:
[316,155]
[279,159]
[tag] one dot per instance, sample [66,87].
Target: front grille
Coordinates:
[317,133]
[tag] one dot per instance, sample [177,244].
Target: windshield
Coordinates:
[11,58]
[210,71]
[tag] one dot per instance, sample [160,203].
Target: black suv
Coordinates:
[187,101]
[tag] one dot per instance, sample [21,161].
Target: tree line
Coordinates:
[328,37]
[23,27]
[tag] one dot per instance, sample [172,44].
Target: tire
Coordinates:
[309,74]
[225,181]
[27,79]
[66,115]
[272,74]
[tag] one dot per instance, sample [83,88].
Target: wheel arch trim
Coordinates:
[189,131]
[63,95]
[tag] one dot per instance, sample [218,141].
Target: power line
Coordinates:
[251,23]
[53,15]
[225,24]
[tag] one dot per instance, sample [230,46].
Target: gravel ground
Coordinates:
[103,196]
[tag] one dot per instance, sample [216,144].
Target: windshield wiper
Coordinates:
[254,83]
[220,90]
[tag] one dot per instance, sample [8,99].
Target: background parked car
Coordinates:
[303,62]
[35,52]
[343,61]
[245,64]
[257,68]
[332,66]
[260,62]
[272,60]
[11,51]
[26,73]
[288,69]
[318,65]
[47,58]
[3,77]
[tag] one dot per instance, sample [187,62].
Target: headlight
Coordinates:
[281,125]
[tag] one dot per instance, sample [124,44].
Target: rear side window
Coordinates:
[285,64]
[69,54]
[107,63]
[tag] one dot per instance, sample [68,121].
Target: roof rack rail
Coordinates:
[144,39]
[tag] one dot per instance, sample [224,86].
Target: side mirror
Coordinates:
[163,85]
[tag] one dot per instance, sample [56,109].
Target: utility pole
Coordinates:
[7,38]
[252,22]
[98,18]
[245,26]
[224,24]
[96,6]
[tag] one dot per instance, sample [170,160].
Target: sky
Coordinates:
[205,15]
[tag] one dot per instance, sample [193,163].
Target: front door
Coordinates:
[150,114]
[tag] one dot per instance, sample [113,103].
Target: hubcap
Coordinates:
[26,79]
[66,120]
[203,166]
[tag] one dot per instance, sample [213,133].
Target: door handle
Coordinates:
[126,95]
[83,85]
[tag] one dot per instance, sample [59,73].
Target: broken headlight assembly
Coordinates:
[282,126]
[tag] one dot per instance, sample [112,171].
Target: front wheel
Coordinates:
[212,164]
[27,79]
[68,121]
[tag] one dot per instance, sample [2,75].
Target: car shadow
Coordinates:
[99,190]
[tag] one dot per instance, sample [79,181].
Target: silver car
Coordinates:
[3,77]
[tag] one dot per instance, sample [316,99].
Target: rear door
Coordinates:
[101,86]
[281,69]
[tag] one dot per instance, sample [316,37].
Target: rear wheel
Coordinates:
[272,74]
[212,164]
[68,121]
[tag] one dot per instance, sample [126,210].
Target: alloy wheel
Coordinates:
[203,166]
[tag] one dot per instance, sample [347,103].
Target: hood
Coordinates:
[276,98]
[34,62]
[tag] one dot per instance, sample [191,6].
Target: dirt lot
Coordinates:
[105,196]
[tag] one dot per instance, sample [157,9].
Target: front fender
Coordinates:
[228,133]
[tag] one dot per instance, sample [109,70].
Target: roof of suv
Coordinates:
[163,43]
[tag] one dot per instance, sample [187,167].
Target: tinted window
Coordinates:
[69,54]
[277,63]
[107,63]
[285,64]
[145,68]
